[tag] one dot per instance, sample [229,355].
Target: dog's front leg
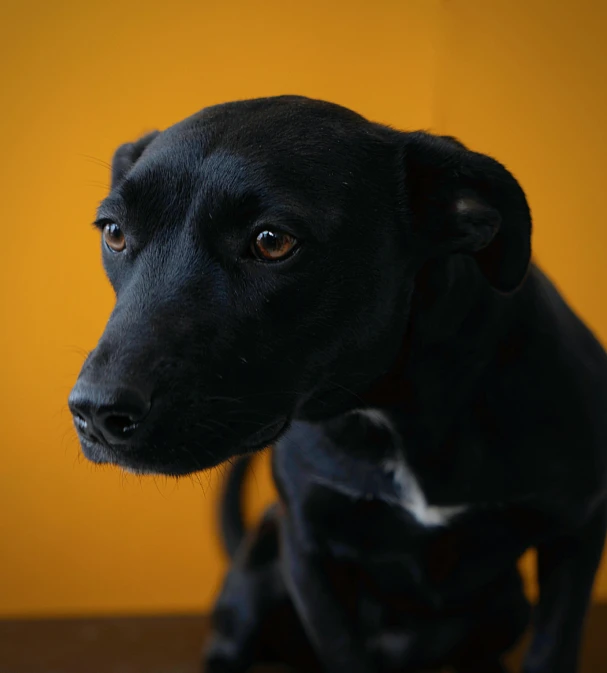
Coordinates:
[253,589]
[324,619]
[566,570]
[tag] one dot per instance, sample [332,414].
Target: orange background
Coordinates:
[523,80]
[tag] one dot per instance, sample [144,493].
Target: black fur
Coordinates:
[411,292]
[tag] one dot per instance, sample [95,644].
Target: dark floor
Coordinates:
[161,645]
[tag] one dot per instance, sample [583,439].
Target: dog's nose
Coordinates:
[110,413]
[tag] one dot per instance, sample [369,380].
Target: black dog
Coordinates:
[280,262]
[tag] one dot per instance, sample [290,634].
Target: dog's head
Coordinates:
[264,256]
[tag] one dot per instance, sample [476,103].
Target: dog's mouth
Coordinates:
[141,459]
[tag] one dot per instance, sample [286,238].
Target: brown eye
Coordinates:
[113,237]
[273,245]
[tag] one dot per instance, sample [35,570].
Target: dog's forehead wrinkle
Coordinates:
[227,170]
[305,166]
[316,138]
[224,189]
[160,186]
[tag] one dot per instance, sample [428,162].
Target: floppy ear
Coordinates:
[466,202]
[126,156]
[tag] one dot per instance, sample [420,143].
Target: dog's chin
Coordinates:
[136,459]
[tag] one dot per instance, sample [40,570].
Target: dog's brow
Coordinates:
[111,207]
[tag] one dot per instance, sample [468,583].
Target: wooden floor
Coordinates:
[161,645]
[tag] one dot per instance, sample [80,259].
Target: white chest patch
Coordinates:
[411,495]
[413,499]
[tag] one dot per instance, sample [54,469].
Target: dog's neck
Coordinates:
[457,326]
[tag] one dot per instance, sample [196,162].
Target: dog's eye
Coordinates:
[113,237]
[273,245]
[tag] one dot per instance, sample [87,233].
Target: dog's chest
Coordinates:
[372,511]
[384,489]
[408,551]
[393,532]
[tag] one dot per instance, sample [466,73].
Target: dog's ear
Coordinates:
[126,156]
[466,202]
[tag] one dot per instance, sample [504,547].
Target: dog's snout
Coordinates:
[107,413]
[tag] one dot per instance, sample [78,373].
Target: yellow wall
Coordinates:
[78,79]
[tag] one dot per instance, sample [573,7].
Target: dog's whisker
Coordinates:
[74,348]
[96,160]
